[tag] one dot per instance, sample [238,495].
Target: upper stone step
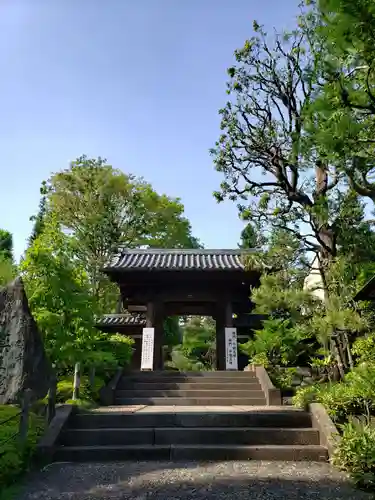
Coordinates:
[115,418]
[188,380]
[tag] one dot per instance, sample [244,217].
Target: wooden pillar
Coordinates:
[228,314]
[150,313]
[159,336]
[220,336]
[224,318]
[137,352]
[119,305]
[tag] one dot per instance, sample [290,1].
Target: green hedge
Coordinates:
[347,403]
[355,453]
[355,395]
[14,459]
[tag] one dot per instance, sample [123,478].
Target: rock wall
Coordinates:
[23,361]
[304,376]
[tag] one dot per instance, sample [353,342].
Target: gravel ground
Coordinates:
[182,481]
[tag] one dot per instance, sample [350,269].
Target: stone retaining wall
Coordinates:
[304,376]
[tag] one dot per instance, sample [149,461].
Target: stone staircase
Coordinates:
[259,433]
[172,416]
[170,388]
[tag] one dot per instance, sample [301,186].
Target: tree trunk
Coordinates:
[324,231]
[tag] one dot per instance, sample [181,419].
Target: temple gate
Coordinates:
[157,283]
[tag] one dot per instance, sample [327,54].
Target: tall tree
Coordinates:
[344,104]
[277,176]
[60,298]
[103,209]
[59,295]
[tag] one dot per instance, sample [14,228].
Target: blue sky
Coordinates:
[137,82]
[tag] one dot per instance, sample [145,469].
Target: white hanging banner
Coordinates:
[231,358]
[147,357]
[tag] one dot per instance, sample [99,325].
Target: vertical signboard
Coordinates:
[147,357]
[231,359]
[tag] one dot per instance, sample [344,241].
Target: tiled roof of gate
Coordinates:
[367,291]
[176,259]
[121,320]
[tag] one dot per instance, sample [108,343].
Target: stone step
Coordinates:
[312,453]
[123,383]
[160,376]
[190,394]
[183,401]
[189,385]
[291,418]
[192,435]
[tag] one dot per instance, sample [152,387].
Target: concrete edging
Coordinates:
[47,445]
[107,393]
[329,435]
[272,394]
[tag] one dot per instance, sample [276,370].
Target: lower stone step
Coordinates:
[190,385]
[246,393]
[166,401]
[312,453]
[190,435]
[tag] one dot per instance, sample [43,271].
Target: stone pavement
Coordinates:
[235,480]
[191,480]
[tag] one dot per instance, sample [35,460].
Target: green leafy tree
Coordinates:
[60,298]
[315,332]
[276,165]
[103,209]
[269,169]
[198,348]
[344,105]
[284,338]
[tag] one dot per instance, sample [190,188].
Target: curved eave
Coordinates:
[120,321]
[367,292]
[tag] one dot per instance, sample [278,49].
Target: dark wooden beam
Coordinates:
[137,308]
[150,315]
[191,308]
[159,336]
